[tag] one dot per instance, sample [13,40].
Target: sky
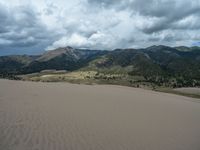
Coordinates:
[35,26]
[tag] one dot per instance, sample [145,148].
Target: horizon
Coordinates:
[44,51]
[32,27]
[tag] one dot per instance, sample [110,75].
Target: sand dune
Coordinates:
[190,90]
[62,116]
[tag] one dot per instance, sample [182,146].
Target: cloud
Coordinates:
[34,26]
[22,29]
[75,40]
[167,14]
[158,15]
[96,40]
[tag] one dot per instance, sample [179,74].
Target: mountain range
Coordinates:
[155,63]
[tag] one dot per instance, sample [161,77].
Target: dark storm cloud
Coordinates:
[20,28]
[166,13]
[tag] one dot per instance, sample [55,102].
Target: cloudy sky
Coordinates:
[33,26]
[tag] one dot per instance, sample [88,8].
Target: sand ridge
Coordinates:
[60,116]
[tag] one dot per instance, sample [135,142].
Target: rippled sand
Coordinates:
[63,116]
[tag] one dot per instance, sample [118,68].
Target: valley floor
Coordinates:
[95,77]
[60,116]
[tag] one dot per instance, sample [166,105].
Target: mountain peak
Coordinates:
[56,52]
[157,47]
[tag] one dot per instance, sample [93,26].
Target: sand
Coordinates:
[63,116]
[190,90]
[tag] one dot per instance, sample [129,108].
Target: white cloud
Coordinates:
[75,40]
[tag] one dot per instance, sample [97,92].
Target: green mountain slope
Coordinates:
[14,63]
[157,64]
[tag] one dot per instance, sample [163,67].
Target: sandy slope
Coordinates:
[190,90]
[62,116]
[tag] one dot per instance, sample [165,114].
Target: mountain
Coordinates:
[14,63]
[156,63]
[186,49]
[156,59]
[66,58]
